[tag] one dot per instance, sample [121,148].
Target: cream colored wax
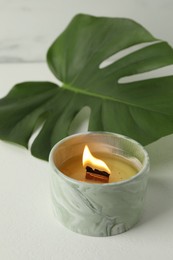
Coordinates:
[120,167]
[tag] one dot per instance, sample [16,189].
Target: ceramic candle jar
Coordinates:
[98,209]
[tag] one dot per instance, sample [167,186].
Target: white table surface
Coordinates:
[28,228]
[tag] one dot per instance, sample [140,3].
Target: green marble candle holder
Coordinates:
[98,209]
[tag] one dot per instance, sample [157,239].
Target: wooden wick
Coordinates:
[97,175]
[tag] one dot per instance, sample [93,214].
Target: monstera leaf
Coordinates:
[142,109]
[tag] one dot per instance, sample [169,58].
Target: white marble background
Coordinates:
[28,27]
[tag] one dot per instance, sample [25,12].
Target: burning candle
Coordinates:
[98,182]
[108,168]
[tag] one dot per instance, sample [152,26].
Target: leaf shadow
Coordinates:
[161,155]
[160,187]
[158,200]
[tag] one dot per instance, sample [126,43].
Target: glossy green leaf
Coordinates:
[142,109]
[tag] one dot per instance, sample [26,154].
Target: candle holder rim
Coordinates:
[146,164]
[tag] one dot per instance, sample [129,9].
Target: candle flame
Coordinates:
[89,160]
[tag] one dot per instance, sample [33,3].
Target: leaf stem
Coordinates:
[88,93]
